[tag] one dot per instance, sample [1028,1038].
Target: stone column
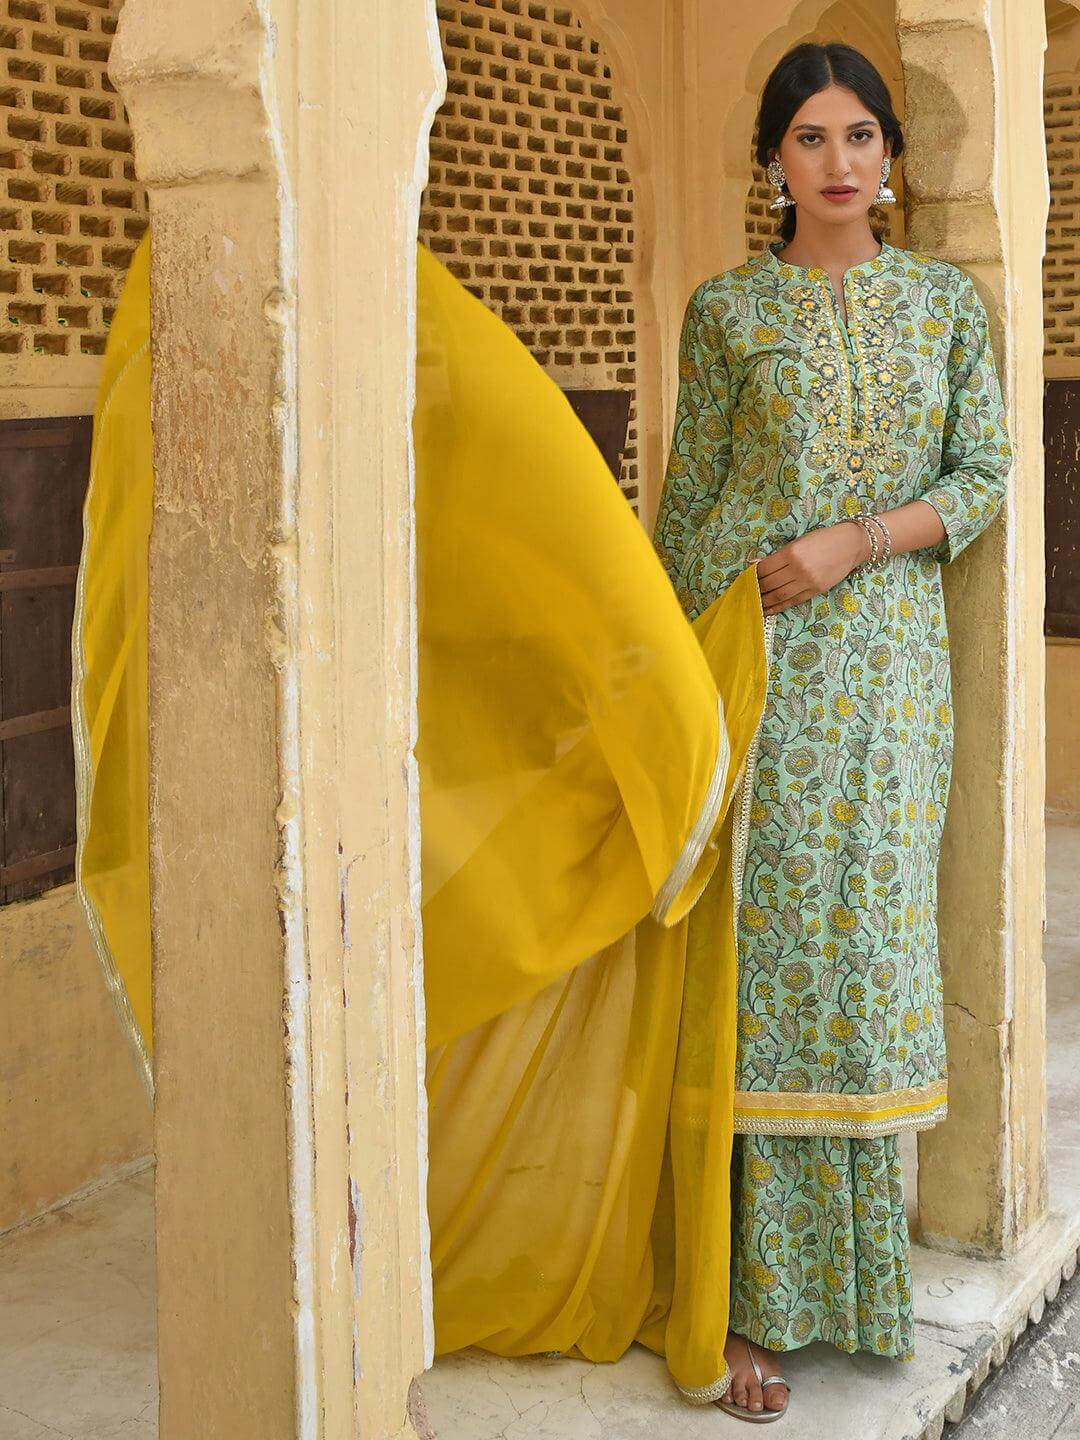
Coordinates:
[975,174]
[283,145]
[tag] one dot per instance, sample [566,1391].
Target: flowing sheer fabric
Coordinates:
[580,749]
[580,743]
[108,653]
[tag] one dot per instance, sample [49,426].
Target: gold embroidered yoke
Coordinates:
[788,419]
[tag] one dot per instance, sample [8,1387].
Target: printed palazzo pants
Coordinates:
[819,1245]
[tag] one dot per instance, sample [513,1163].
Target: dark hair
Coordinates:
[802,72]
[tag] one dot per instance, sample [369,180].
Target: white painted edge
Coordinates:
[290,885]
[415,193]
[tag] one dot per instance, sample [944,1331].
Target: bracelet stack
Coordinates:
[880,541]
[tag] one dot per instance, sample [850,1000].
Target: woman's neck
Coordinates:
[830,246]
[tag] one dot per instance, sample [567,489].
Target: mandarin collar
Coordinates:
[816,272]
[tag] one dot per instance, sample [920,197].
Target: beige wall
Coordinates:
[72,1104]
[56,1134]
[1063,725]
[73,1108]
[39,385]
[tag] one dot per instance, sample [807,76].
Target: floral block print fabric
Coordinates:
[820,1245]
[788,419]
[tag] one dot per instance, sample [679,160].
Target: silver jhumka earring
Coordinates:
[776,177]
[884,195]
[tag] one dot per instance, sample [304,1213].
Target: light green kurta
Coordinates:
[788,419]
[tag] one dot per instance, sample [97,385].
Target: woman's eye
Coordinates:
[855,135]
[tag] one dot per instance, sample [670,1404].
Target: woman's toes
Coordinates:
[739,1392]
[753,1390]
[775,1397]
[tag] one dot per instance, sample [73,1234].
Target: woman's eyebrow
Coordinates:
[854,125]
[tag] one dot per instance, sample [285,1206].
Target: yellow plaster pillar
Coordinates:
[283,146]
[973,76]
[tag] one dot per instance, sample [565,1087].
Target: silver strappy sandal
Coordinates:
[762,1415]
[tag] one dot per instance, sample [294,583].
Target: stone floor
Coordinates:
[1037,1392]
[77,1335]
[77,1316]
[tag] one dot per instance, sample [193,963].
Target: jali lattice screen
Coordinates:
[1061,263]
[71,211]
[529,200]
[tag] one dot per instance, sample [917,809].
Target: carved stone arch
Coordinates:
[651,271]
[534,188]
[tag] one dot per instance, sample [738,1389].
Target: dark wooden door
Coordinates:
[44,466]
[1061,443]
[605,415]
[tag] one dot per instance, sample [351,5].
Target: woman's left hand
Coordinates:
[810,565]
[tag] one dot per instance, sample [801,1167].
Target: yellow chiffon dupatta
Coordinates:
[580,743]
[109,667]
[581,751]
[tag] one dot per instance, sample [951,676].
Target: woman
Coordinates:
[840,422]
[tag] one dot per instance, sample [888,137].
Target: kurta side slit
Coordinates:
[788,419]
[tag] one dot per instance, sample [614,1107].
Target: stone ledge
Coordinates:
[970,1314]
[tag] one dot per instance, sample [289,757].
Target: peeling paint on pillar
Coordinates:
[355,1210]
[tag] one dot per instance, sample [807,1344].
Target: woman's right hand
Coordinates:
[810,565]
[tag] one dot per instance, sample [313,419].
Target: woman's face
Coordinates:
[833,144]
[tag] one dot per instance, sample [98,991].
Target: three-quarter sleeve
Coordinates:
[976,451]
[701,440]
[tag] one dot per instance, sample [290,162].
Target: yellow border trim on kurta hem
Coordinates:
[769,1112]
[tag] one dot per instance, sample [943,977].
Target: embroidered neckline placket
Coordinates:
[819,276]
[848,397]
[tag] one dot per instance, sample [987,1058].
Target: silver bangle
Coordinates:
[870,563]
[879,552]
[886,537]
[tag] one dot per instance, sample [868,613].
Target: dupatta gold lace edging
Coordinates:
[741,827]
[705,1394]
[84,766]
[708,1394]
[703,826]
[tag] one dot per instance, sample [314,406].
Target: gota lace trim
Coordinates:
[770,1113]
[704,825]
[706,1394]
[842,1129]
